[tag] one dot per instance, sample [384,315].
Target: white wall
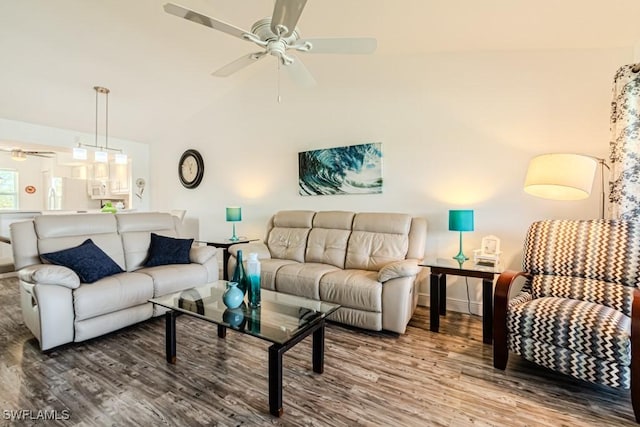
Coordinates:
[458,130]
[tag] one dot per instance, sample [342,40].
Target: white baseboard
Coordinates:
[458,305]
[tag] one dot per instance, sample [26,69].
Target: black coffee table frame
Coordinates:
[276,353]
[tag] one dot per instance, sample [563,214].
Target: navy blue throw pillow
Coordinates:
[88,261]
[167,250]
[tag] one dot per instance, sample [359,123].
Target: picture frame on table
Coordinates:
[489,252]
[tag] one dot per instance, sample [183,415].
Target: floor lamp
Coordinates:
[563,177]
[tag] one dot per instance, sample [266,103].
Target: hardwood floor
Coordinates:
[417,379]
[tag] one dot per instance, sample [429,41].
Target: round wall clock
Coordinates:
[191,168]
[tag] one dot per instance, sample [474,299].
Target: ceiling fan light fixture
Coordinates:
[277,34]
[18,155]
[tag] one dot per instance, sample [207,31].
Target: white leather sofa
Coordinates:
[366,262]
[59,309]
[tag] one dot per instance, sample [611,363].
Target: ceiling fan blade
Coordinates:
[198,18]
[34,153]
[286,13]
[38,152]
[342,45]
[300,74]
[238,64]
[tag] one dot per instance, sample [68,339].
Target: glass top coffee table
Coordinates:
[282,319]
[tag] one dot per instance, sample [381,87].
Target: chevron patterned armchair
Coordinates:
[579,311]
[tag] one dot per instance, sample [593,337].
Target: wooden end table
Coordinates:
[225,244]
[438,289]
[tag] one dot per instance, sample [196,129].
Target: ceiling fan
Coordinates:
[277,35]
[20,154]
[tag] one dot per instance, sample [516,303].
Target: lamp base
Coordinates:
[234,238]
[460,257]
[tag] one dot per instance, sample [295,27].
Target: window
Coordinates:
[8,189]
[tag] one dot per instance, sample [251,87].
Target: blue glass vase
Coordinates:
[232,296]
[234,317]
[239,275]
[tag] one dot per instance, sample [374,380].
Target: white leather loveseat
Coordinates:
[366,262]
[59,309]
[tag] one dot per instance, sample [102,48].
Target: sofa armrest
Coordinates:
[202,254]
[49,274]
[396,269]
[258,247]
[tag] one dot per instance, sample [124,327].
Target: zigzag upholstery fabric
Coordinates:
[618,297]
[605,250]
[574,314]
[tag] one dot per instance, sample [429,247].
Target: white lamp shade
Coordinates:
[121,159]
[561,176]
[79,153]
[101,156]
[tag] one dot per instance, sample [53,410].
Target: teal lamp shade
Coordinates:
[234,214]
[461,220]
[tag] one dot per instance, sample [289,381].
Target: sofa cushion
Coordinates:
[590,249]
[613,295]
[58,232]
[288,237]
[175,277]
[377,239]
[352,288]
[111,294]
[327,242]
[302,279]
[135,231]
[580,326]
[165,250]
[268,270]
[88,261]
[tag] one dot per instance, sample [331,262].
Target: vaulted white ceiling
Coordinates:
[158,66]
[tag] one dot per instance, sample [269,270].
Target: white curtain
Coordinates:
[624,194]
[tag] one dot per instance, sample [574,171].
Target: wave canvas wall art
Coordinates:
[356,169]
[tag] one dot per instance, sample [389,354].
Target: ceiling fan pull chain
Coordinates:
[279,97]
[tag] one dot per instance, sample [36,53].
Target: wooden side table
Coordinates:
[438,289]
[225,244]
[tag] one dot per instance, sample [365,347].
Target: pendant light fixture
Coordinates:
[101,154]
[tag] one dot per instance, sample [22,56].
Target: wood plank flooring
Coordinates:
[370,379]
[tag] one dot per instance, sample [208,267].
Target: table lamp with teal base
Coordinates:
[460,220]
[234,214]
